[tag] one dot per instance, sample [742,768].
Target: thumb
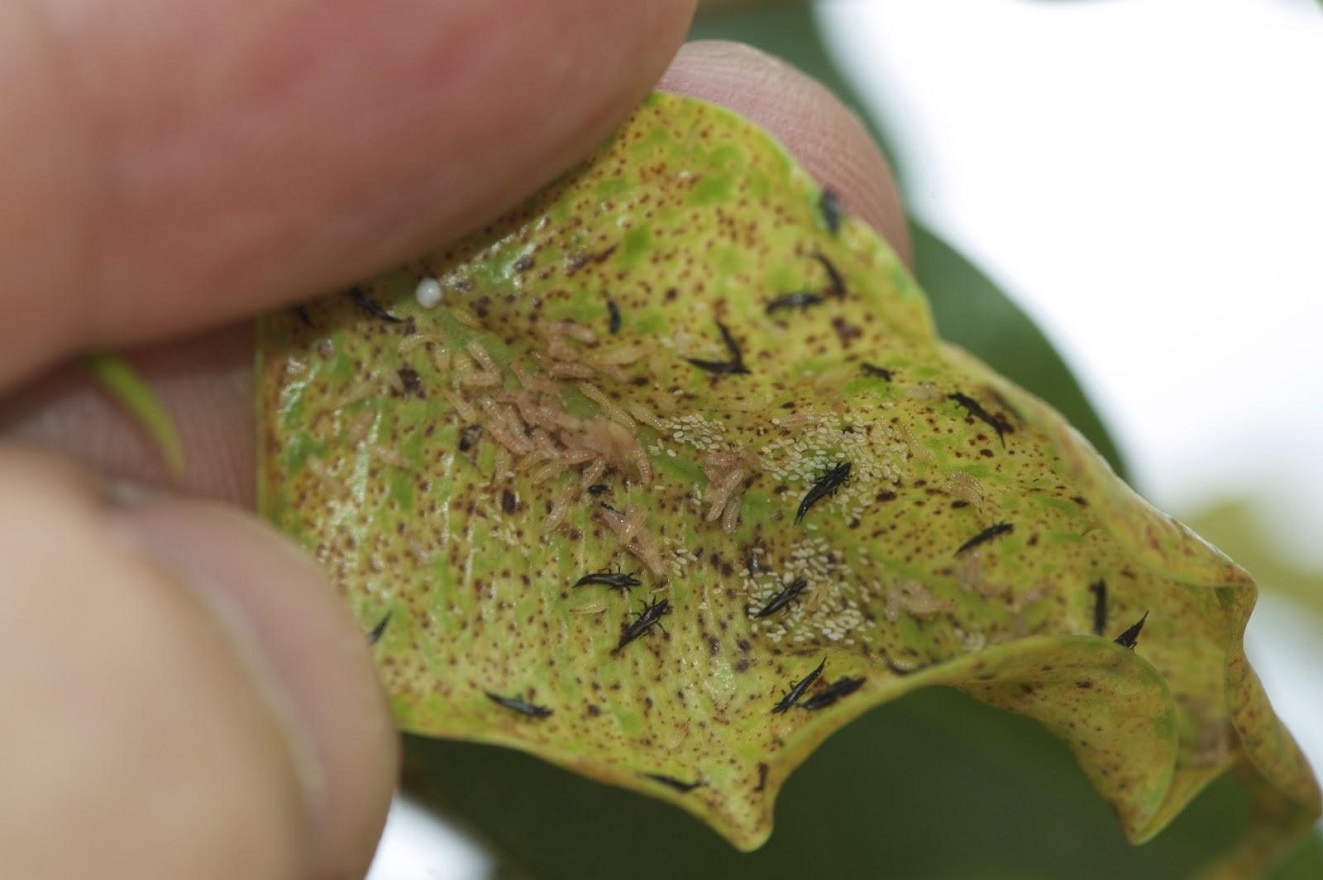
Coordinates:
[193,702]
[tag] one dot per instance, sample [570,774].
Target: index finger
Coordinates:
[175,166]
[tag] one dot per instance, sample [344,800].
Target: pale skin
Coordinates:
[183,695]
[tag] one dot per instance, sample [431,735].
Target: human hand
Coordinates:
[193,700]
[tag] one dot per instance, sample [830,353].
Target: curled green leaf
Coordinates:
[665,476]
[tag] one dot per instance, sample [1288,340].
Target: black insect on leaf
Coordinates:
[613,322]
[734,366]
[517,705]
[831,693]
[379,630]
[615,579]
[1009,407]
[873,371]
[826,485]
[801,300]
[410,379]
[371,306]
[995,530]
[671,782]
[976,410]
[650,616]
[836,286]
[799,688]
[720,368]
[1099,590]
[832,212]
[783,598]
[732,346]
[1130,637]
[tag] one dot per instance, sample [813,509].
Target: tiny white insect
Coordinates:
[428,293]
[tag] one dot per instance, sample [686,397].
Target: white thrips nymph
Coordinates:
[428,293]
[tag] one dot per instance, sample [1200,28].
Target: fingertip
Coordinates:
[142,748]
[276,596]
[825,135]
[195,700]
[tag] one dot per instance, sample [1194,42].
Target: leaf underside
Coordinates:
[672,364]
